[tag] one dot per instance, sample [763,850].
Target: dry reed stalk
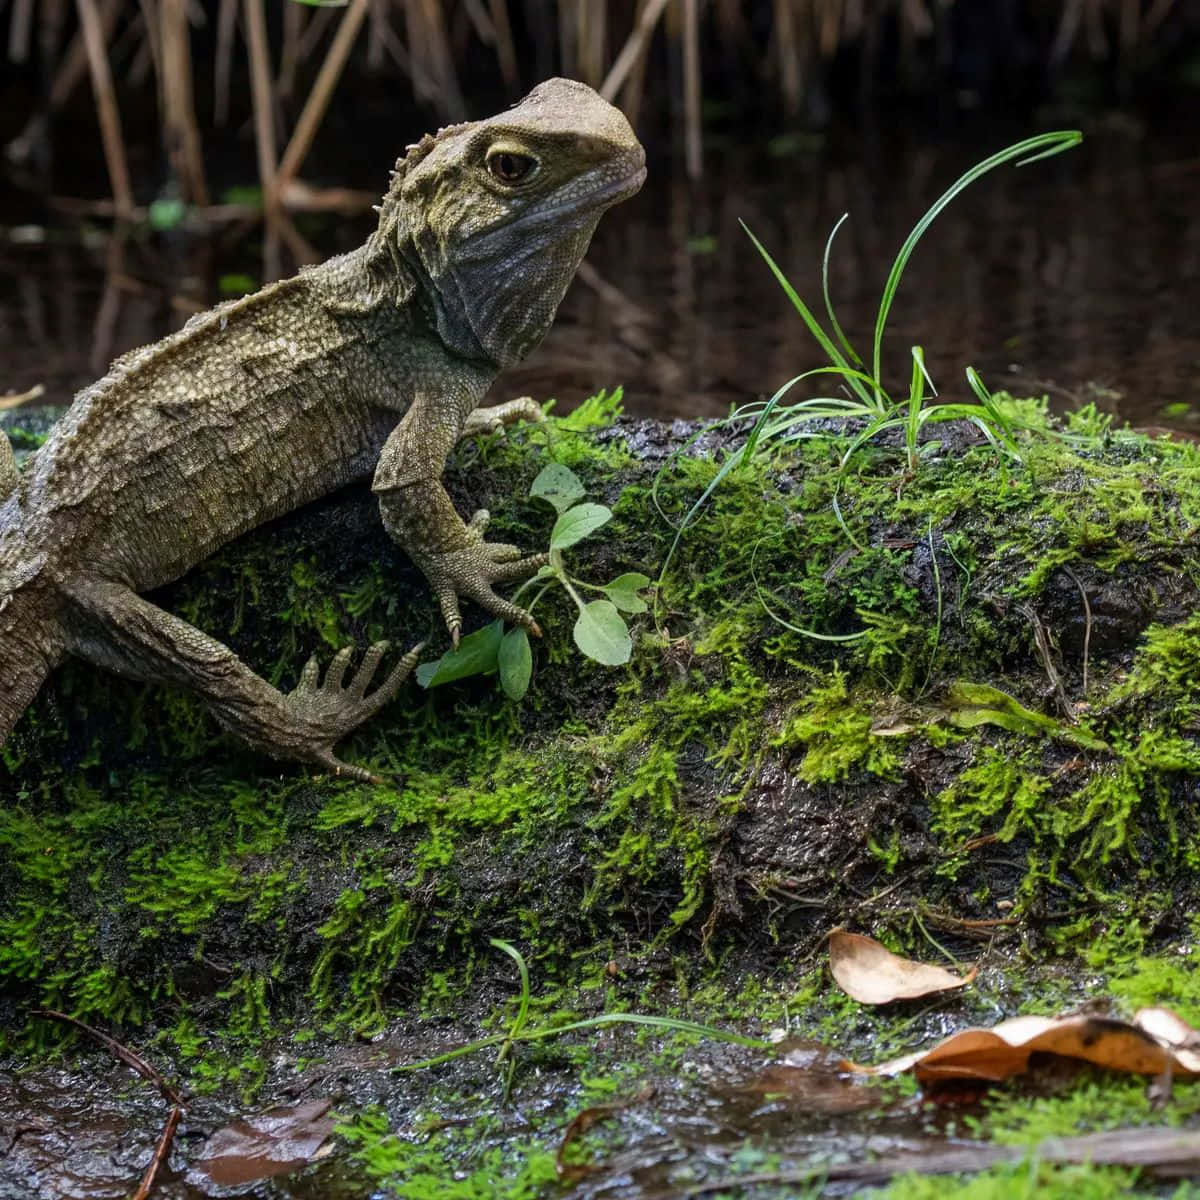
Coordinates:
[829,25]
[71,70]
[634,48]
[448,98]
[506,52]
[223,66]
[106,108]
[591,28]
[917,17]
[319,22]
[153,41]
[1094,27]
[635,83]
[20,29]
[567,42]
[264,129]
[318,99]
[791,80]
[293,28]
[181,130]
[377,18]
[691,88]
[1155,16]
[1127,31]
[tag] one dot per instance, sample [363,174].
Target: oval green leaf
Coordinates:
[558,485]
[515,661]
[476,654]
[601,634]
[576,523]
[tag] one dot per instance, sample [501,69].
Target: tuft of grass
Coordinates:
[772,423]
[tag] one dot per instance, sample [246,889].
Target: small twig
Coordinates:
[131,1059]
[1087,627]
[1042,642]
[161,1150]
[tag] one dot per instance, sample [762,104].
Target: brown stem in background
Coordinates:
[106,108]
[691,87]
[633,50]
[506,52]
[70,71]
[264,127]
[179,112]
[226,20]
[19,29]
[318,99]
[289,51]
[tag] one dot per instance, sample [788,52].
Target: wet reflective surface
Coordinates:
[1078,276]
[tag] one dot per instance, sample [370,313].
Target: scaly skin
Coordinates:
[373,362]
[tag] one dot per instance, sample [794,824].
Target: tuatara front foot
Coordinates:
[472,569]
[331,709]
[492,418]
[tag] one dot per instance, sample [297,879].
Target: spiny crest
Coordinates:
[414,153]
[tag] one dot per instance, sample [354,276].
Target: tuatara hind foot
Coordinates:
[331,709]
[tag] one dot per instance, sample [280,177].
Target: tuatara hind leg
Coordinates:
[119,630]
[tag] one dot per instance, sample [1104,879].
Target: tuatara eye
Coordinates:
[510,167]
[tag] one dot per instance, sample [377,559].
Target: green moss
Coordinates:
[456,1165]
[834,732]
[1028,1178]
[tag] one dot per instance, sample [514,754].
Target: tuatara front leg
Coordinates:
[117,629]
[419,515]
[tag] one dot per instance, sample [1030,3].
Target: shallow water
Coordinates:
[1078,277]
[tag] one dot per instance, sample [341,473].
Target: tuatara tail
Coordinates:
[8,466]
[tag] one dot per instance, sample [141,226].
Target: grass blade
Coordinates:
[1030,150]
[851,353]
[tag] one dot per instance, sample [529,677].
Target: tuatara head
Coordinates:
[495,216]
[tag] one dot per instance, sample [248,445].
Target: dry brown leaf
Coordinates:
[872,974]
[274,1142]
[1149,1046]
[1173,1031]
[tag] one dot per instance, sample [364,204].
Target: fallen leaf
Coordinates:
[272,1143]
[1173,1031]
[1005,1049]
[872,974]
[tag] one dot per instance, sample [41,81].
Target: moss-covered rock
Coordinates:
[1005,737]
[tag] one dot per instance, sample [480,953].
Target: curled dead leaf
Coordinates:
[1157,1040]
[872,974]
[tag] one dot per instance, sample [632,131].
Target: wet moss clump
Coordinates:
[1008,737]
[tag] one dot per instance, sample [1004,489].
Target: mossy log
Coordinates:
[1006,739]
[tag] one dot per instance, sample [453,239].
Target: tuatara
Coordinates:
[374,361]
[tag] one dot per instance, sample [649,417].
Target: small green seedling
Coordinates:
[600,630]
